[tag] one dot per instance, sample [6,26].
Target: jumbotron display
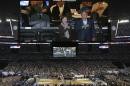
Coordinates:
[64,51]
[77,20]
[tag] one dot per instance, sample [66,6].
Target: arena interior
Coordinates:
[64,43]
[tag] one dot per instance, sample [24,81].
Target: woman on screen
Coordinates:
[64,29]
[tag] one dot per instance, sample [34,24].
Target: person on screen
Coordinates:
[59,10]
[64,29]
[24,16]
[100,7]
[40,6]
[39,14]
[84,27]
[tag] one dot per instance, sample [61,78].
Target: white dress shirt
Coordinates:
[85,22]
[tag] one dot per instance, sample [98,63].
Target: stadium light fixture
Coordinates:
[0,21]
[104,46]
[105,28]
[109,20]
[124,21]
[15,47]
[8,20]
[14,20]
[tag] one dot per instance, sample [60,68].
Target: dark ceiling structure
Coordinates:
[119,9]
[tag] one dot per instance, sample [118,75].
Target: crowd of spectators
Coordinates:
[50,67]
[16,72]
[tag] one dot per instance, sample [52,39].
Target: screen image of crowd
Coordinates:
[64,51]
[60,73]
[80,20]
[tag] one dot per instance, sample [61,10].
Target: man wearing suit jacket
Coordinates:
[85,29]
[59,10]
[39,14]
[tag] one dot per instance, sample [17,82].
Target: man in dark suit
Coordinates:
[84,27]
[39,14]
[59,10]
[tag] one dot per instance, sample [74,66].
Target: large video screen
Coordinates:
[64,52]
[66,49]
[64,20]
